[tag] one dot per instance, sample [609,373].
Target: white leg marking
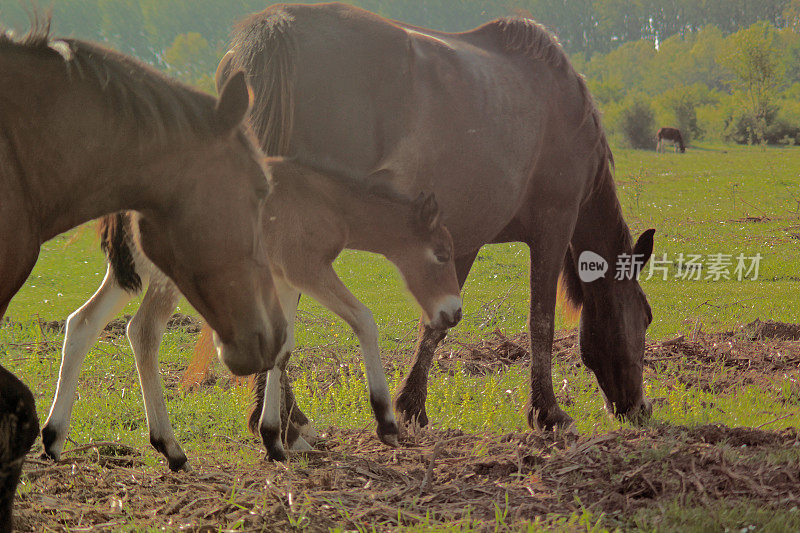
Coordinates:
[83,327]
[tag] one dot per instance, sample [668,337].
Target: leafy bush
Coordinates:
[634,121]
[780,124]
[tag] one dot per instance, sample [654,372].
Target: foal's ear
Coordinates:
[233,103]
[428,211]
[643,249]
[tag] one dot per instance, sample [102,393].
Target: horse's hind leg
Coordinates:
[413,392]
[145,331]
[82,328]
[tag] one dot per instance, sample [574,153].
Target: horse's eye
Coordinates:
[443,256]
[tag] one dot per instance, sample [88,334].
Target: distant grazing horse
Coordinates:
[497,123]
[670,134]
[86,132]
[309,219]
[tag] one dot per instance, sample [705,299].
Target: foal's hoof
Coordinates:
[387,432]
[309,433]
[410,408]
[389,439]
[180,467]
[276,453]
[550,419]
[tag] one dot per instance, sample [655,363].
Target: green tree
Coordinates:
[189,57]
[753,57]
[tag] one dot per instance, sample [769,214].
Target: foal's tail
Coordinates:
[116,239]
[263,46]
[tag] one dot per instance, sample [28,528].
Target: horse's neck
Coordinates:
[68,166]
[372,222]
[602,230]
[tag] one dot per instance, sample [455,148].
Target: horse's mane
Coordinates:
[162,108]
[527,37]
[356,186]
[264,43]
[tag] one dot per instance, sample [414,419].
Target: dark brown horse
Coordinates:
[499,125]
[670,134]
[85,131]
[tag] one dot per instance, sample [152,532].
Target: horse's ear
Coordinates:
[233,103]
[427,211]
[643,250]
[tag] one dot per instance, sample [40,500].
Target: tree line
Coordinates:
[695,63]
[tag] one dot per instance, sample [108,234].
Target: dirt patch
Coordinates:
[436,476]
[762,353]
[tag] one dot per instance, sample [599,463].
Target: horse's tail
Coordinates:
[263,46]
[115,234]
[200,364]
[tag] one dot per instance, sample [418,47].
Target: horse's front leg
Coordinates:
[548,244]
[81,331]
[410,399]
[276,406]
[145,332]
[325,286]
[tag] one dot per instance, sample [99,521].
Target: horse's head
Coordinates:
[209,240]
[426,262]
[612,337]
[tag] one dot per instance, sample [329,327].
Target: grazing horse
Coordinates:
[670,134]
[309,218]
[497,123]
[86,131]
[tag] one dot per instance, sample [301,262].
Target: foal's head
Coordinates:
[209,239]
[426,262]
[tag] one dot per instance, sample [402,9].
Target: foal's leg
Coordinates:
[296,416]
[274,414]
[325,286]
[145,331]
[83,327]
[412,393]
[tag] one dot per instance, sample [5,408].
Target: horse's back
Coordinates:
[467,115]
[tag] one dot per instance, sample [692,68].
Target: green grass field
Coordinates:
[711,200]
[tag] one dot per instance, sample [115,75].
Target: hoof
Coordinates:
[309,433]
[49,437]
[48,456]
[640,415]
[276,453]
[179,464]
[548,420]
[411,409]
[389,439]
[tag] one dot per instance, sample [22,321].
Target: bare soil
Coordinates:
[436,476]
